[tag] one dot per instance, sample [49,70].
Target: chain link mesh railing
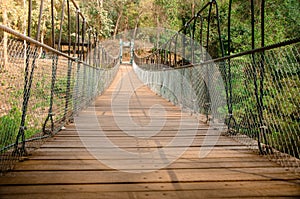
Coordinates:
[270,124]
[76,85]
[265,104]
[261,86]
[42,88]
[186,87]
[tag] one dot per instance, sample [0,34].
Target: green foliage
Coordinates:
[9,126]
[98,17]
[41,88]
[60,87]
[280,98]
[282,21]
[279,15]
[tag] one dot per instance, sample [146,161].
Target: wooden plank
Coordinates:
[73,165]
[64,168]
[130,144]
[186,175]
[69,153]
[217,189]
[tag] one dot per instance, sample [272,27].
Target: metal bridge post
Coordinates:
[121,50]
[131,51]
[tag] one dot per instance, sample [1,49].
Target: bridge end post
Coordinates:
[121,50]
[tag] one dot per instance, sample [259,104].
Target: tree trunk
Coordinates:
[101,3]
[193,8]
[158,31]
[24,32]
[42,37]
[5,54]
[117,23]
[135,28]
[125,36]
[137,24]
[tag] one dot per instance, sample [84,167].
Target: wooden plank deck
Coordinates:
[65,167]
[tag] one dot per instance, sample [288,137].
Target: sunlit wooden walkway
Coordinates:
[64,167]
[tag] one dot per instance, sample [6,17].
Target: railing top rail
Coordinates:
[257,50]
[33,41]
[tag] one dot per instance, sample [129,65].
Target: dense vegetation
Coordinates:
[111,17]
[281,95]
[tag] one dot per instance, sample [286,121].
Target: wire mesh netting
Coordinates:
[261,85]
[265,102]
[256,93]
[41,87]
[59,87]
[264,97]
[187,87]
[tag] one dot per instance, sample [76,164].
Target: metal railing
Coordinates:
[261,85]
[42,88]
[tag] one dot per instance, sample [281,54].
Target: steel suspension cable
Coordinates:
[27,88]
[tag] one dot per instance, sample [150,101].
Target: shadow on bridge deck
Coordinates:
[65,167]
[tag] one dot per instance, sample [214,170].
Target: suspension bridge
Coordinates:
[172,122]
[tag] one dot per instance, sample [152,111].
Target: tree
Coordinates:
[115,10]
[5,23]
[97,17]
